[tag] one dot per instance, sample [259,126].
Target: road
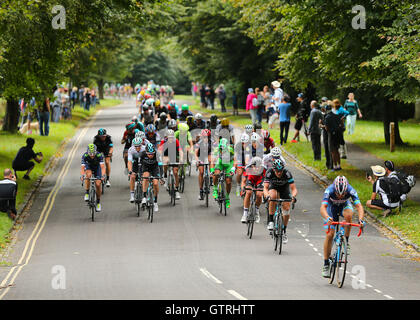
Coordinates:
[189,251]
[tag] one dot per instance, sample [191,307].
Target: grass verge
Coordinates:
[369,136]
[11,143]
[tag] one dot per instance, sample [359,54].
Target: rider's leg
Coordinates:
[88,174]
[228,185]
[176,169]
[98,190]
[145,183]
[348,214]
[286,213]
[156,188]
[108,167]
[200,177]
[272,205]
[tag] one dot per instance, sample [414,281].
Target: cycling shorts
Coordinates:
[283,191]
[254,182]
[226,167]
[337,211]
[96,171]
[153,170]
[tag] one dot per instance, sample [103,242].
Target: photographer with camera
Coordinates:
[8,190]
[22,160]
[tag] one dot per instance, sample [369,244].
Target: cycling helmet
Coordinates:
[249,128]
[172,103]
[257,126]
[185,107]
[131,125]
[225,122]
[150,148]
[265,134]
[150,102]
[223,143]
[340,185]
[145,107]
[137,142]
[101,132]
[257,161]
[198,116]
[275,152]
[190,120]
[213,118]
[147,96]
[163,116]
[183,127]
[134,119]
[91,149]
[157,103]
[172,124]
[150,128]
[140,134]
[244,138]
[255,137]
[170,133]
[278,164]
[205,133]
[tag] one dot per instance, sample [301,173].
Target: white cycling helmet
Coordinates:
[249,128]
[257,161]
[198,116]
[140,134]
[137,142]
[255,137]
[170,133]
[244,138]
[275,152]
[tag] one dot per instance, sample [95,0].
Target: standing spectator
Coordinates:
[352,107]
[284,114]
[73,97]
[267,102]
[260,105]
[93,97]
[22,160]
[333,125]
[222,97]
[65,103]
[87,99]
[56,107]
[301,116]
[44,117]
[82,96]
[203,96]
[342,113]
[192,89]
[212,96]
[8,191]
[314,130]
[251,105]
[325,108]
[235,103]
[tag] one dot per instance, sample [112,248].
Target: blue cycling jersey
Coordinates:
[331,199]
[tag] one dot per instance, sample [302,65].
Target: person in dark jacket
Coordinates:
[8,191]
[325,109]
[301,116]
[22,160]
[222,97]
[314,129]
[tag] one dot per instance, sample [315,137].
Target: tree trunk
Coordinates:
[417,114]
[11,119]
[101,88]
[390,115]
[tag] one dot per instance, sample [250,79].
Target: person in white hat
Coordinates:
[277,98]
[384,186]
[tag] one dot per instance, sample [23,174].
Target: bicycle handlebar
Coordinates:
[346,224]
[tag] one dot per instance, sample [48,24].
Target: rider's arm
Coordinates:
[360,211]
[293,189]
[124,138]
[324,212]
[266,185]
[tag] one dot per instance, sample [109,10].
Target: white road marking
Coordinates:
[210,276]
[387,296]
[237,295]
[378,291]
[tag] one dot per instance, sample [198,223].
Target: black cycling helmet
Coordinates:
[101,132]
[213,118]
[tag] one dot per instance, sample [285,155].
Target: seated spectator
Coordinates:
[8,190]
[381,186]
[22,160]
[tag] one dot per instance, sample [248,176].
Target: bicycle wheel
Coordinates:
[250,222]
[341,264]
[274,233]
[137,199]
[102,186]
[333,262]
[280,231]
[92,202]
[224,198]
[206,189]
[181,182]
[150,204]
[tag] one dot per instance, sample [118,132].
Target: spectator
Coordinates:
[314,129]
[251,104]
[260,105]
[192,89]
[301,116]
[211,96]
[267,102]
[277,99]
[56,105]
[352,107]
[73,97]
[93,97]
[325,108]
[381,186]
[8,191]
[87,99]
[82,96]
[222,97]
[22,160]
[333,124]
[235,103]
[284,114]
[44,117]
[203,96]
[342,113]
[65,103]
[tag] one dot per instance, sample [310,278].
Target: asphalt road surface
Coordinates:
[189,251]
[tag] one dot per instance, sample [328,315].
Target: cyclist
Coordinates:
[173,110]
[171,150]
[225,130]
[213,122]
[151,165]
[127,139]
[273,155]
[190,123]
[224,157]
[159,108]
[185,139]
[139,125]
[268,141]
[254,173]
[151,135]
[172,124]
[203,149]
[162,123]
[104,144]
[242,156]
[133,163]
[257,148]
[185,112]
[279,180]
[93,163]
[335,203]
[199,122]
[249,129]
